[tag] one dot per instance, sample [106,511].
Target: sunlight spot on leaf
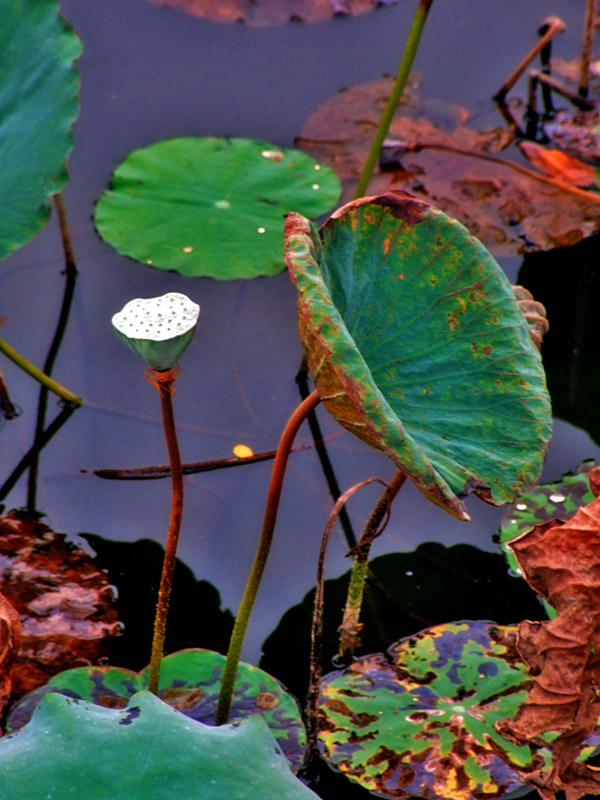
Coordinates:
[557,498]
[316,186]
[188,249]
[261,230]
[222,203]
[521,506]
[273,155]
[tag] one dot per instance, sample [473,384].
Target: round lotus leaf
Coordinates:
[158,328]
[212,206]
[189,681]
[423,722]
[416,343]
[546,501]
[38,105]
[72,749]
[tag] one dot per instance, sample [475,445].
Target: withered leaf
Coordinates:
[561,561]
[65,602]
[262,13]
[576,132]
[10,641]
[508,210]
[559,165]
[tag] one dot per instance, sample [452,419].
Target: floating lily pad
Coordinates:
[453,167]
[38,105]
[423,722]
[189,681]
[546,501]
[261,13]
[417,345]
[211,207]
[72,749]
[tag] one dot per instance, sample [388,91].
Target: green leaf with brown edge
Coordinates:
[544,502]
[423,721]
[212,206]
[38,105]
[561,561]
[189,681]
[72,749]
[417,345]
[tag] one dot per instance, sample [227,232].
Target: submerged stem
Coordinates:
[410,50]
[262,553]
[63,318]
[350,627]
[163,381]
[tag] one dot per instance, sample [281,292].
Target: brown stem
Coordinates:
[6,405]
[565,187]
[194,467]
[350,627]
[163,381]
[260,559]
[586,51]
[549,29]
[316,643]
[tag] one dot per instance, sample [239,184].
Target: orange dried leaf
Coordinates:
[561,561]
[559,165]
[10,641]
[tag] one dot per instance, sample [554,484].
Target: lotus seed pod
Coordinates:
[158,328]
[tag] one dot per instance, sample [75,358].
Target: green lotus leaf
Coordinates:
[72,749]
[417,345]
[189,681]
[212,206]
[423,722]
[38,105]
[543,502]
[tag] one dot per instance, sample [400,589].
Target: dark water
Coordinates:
[147,74]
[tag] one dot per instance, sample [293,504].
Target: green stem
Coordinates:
[350,627]
[408,57]
[38,375]
[163,381]
[63,318]
[260,559]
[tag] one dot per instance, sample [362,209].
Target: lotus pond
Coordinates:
[193,135]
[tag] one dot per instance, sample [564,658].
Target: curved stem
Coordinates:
[262,553]
[316,638]
[350,627]
[164,383]
[38,375]
[63,318]
[410,50]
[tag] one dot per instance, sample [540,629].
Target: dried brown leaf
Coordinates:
[10,641]
[262,13]
[505,205]
[561,561]
[559,165]
[65,602]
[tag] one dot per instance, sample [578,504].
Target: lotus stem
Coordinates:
[316,649]
[63,318]
[410,50]
[350,627]
[586,50]
[262,553]
[38,375]
[163,380]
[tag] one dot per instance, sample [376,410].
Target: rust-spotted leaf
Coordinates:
[422,723]
[189,681]
[417,345]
